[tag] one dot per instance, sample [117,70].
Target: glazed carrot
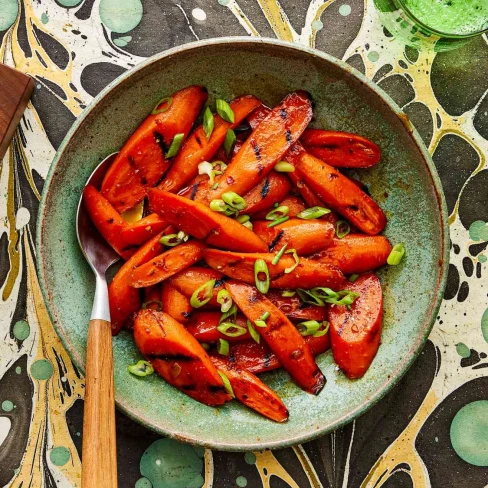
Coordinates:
[203,327]
[265,146]
[251,391]
[294,203]
[341,149]
[356,253]
[307,274]
[280,335]
[305,236]
[258,358]
[197,148]
[175,304]
[337,191]
[355,332]
[199,221]
[178,357]
[142,230]
[123,299]
[266,193]
[257,116]
[107,220]
[295,309]
[141,162]
[187,281]
[167,264]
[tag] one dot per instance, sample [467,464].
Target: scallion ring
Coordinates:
[229,141]
[175,145]
[225,300]
[322,332]
[167,101]
[278,221]
[293,252]
[284,167]
[248,225]
[231,312]
[234,200]
[342,228]
[230,329]
[260,323]
[202,294]
[141,368]
[396,255]
[150,302]
[224,110]
[208,123]
[288,293]
[261,275]
[206,168]
[171,240]
[353,278]
[313,213]
[265,316]
[222,207]
[278,213]
[253,332]
[227,385]
[309,327]
[242,219]
[223,347]
[182,236]
[309,298]
[277,258]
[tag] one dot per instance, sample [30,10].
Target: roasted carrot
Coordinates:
[199,221]
[258,358]
[187,281]
[305,236]
[178,357]
[141,162]
[123,299]
[203,326]
[337,191]
[356,253]
[257,116]
[251,391]
[270,190]
[307,274]
[142,230]
[197,148]
[355,332]
[281,336]
[107,220]
[341,149]
[264,147]
[295,309]
[167,264]
[175,304]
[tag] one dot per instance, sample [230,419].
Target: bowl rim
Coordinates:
[428,323]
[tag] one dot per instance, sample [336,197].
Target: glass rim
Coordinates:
[435,31]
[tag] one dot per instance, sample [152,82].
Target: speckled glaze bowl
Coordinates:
[405,183]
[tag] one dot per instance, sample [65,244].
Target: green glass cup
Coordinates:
[438,25]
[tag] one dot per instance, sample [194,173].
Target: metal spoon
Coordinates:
[99,466]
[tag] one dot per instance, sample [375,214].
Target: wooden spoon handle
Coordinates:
[99,461]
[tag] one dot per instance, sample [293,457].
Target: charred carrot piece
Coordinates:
[295,206]
[197,148]
[265,146]
[178,357]
[356,253]
[355,332]
[338,191]
[107,220]
[123,299]
[167,264]
[295,309]
[203,326]
[142,230]
[187,281]
[252,392]
[305,236]
[175,304]
[141,162]
[269,191]
[341,149]
[307,274]
[258,358]
[199,221]
[281,336]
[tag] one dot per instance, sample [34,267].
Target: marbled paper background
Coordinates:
[431,430]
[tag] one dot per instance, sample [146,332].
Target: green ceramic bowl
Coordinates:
[405,183]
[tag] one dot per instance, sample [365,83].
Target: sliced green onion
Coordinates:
[208,123]
[278,221]
[158,302]
[323,331]
[182,236]
[141,368]
[220,165]
[202,294]
[206,168]
[343,297]
[170,240]
[353,278]
[167,100]
[278,256]
[234,200]
[261,275]
[260,323]
[215,186]
[284,167]
[223,347]
[288,293]
[224,110]
[253,332]
[313,213]
[225,300]
[396,254]
[231,312]
[342,228]
[309,327]
[265,316]
[175,145]
[205,346]
[324,292]
[229,141]
[276,205]
[278,213]
[227,385]
[231,330]
[248,225]
[293,252]
[242,219]
[222,207]
[309,298]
